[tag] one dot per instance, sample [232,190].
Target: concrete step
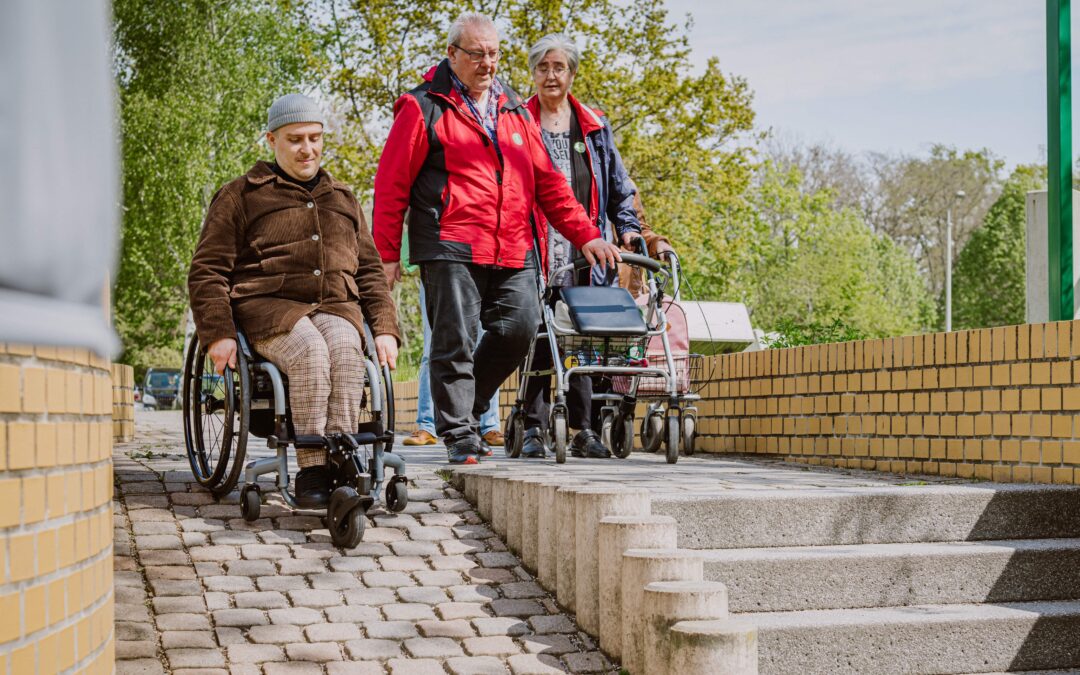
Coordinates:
[879,515]
[920,639]
[886,575]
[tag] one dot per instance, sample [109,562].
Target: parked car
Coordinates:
[161,388]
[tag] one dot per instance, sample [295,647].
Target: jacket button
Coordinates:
[311,205]
[314,237]
[317,272]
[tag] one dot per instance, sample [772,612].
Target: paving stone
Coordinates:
[190,539]
[250,568]
[301,566]
[132,630]
[240,617]
[179,621]
[254,653]
[292,668]
[261,600]
[276,634]
[320,652]
[281,583]
[407,548]
[476,665]
[461,610]
[481,575]
[129,595]
[457,628]
[535,664]
[135,649]
[265,551]
[370,596]
[354,668]
[346,564]
[194,658]
[299,616]
[370,649]
[415,667]
[163,572]
[396,630]
[368,548]
[322,550]
[522,589]
[163,587]
[469,593]
[387,579]
[423,533]
[433,647]
[154,527]
[282,537]
[190,639]
[501,626]
[214,553]
[590,662]
[519,608]
[383,535]
[227,584]
[315,598]
[140,667]
[231,636]
[552,623]
[338,581]
[217,600]
[554,644]
[302,523]
[497,559]
[209,569]
[353,614]
[494,645]
[441,578]
[427,595]
[396,563]
[173,605]
[408,611]
[233,538]
[460,546]
[202,525]
[332,632]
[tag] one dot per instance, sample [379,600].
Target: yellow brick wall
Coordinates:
[56,579]
[999,404]
[123,403]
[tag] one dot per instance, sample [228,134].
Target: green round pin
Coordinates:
[580,147]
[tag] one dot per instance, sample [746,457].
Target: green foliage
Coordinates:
[787,333]
[989,273]
[195,79]
[818,272]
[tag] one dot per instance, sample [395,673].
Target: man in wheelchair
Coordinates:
[286,254]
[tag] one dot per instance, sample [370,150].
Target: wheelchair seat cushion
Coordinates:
[603,311]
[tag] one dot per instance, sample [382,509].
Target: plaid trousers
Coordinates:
[324,360]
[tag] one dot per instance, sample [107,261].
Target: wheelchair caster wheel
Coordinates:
[345,518]
[250,503]
[622,436]
[397,496]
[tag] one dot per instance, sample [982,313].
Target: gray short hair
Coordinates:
[467,20]
[555,41]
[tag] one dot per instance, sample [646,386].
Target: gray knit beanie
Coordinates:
[290,109]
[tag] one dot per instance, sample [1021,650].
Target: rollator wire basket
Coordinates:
[688,376]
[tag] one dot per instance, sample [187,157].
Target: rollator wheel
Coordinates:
[652,430]
[514,430]
[397,496]
[674,435]
[349,529]
[560,436]
[216,410]
[623,436]
[689,432]
[250,503]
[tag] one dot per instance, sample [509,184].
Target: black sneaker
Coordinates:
[312,487]
[463,452]
[534,445]
[587,443]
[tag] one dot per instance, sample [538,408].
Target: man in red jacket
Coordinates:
[467,163]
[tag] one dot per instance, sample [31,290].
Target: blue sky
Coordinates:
[887,75]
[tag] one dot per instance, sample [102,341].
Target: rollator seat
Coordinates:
[603,311]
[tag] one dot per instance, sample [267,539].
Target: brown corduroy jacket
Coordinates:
[271,253]
[632,278]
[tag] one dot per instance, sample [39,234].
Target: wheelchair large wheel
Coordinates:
[388,397]
[216,412]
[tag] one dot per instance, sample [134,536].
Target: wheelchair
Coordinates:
[221,411]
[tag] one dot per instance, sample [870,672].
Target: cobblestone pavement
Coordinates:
[430,590]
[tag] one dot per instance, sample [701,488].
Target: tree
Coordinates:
[989,279]
[195,78]
[815,265]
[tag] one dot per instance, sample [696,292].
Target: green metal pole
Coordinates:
[1059,150]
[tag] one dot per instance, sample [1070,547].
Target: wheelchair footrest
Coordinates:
[312,441]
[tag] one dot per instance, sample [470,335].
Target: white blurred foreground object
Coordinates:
[59,184]
[717,327]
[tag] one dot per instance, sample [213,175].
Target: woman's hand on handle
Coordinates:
[601,252]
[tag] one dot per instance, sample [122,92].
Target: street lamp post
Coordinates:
[948,260]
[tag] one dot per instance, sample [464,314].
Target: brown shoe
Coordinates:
[420,437]
[494,438]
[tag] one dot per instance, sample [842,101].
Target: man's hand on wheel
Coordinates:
[392,270]
[600,251]
[223,353]
[386,348]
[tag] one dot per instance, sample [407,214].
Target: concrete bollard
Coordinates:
[500,492]
[484,482]
[547,529]
[590,506]
[615,535]
[457,479]
[725,646]
[641,567]
[530,523]
[468,488]
[566,524]
[514,503]
[668,602]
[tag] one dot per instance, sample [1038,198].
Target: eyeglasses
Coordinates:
[557,71]
[478,57]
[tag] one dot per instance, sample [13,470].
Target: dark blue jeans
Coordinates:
[466,372]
